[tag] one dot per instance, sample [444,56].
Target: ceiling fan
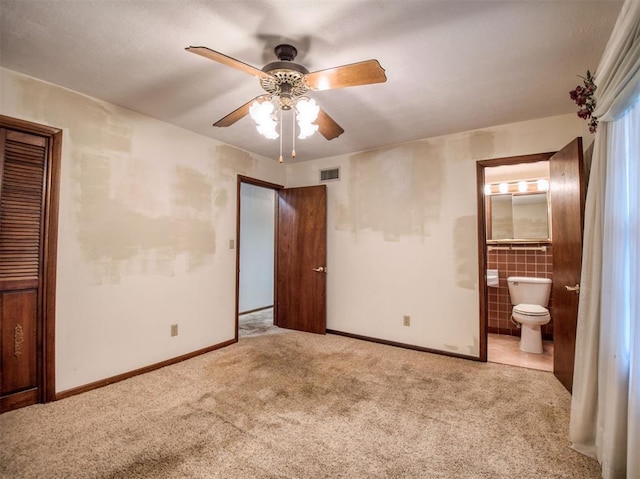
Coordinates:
[286,83]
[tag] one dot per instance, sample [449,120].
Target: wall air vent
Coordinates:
[330,174]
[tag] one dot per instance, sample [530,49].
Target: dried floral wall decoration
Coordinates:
[583,97]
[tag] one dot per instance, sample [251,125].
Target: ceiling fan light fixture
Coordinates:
[263,114]
[306,130]
[261,111]
[268,130]
[306,113]
[307,110]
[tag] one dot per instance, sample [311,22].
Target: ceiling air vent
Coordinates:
[331,174]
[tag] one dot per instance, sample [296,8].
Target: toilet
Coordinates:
[530,296]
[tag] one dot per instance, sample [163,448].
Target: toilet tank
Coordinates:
[523,289]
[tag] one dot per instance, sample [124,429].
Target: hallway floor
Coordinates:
[257,323]
[504,349]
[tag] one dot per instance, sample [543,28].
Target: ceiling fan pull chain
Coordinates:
[293,135]
[281,160]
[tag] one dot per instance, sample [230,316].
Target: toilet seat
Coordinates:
[530,310]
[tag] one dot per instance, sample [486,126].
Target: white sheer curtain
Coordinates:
[605,409]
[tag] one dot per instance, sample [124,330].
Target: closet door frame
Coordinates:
[50,246]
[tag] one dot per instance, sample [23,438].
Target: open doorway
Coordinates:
[293,269]
[256,235]
[566,194]
[516,243]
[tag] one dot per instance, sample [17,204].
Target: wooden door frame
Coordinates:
[482,234]
[264,184]
[47,291]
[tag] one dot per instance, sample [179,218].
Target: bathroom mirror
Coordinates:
[501,217]
[518,217]
[530,216]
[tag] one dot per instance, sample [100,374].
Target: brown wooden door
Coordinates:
[566,190]
[23,166]
[301,259]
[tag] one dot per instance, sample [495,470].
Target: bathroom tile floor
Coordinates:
[504,349]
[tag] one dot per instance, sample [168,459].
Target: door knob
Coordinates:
[320,269]
[575,288]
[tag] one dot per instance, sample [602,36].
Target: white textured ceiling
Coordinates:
[451,65]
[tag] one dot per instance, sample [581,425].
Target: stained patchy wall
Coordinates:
[147,211]
[402,232]
[146,214]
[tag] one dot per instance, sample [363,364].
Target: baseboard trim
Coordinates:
[255,310]
[121,377]
[403,345]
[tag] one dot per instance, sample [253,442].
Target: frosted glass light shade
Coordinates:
[268,129]
[307,112]
[261,112]
[266,123]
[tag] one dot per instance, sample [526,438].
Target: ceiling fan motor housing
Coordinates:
[285,52]
[287,77]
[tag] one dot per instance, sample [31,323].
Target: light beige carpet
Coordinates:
[299,405]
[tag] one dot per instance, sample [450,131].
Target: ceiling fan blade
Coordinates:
[327,126]
[227,60]
[362,73]
[239,113]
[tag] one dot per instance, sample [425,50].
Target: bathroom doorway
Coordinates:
[566,194]
[516,241]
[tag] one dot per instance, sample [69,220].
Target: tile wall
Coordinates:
[516,263]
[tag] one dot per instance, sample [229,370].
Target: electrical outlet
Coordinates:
[174,330]
[407,320]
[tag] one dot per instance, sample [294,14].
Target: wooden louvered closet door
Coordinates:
[23,164]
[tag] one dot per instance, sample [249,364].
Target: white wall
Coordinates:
[257,225]
[146,214]
[402,232]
